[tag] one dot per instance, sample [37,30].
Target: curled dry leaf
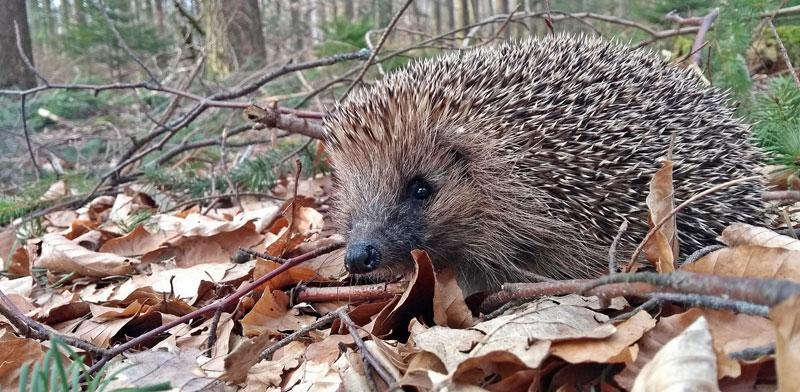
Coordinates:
[60,255]
[751,261]
[743,234]
[686,363]
[416,301]
[290,277]
[56,191]
[449,308]
[662,249]
[619,347]
[786,318]
[271,314]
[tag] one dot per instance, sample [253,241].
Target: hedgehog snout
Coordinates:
[362,256]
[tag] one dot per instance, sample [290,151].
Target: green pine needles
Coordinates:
[776,116]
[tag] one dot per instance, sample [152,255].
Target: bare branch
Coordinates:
[273,118]
[25,58]
[377,49]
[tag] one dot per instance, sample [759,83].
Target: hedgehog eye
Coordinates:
[419,189]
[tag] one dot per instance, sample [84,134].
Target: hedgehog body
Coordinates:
[525,158]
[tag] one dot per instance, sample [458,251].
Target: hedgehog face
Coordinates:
[394,196]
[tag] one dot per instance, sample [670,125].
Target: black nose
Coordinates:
[361,257]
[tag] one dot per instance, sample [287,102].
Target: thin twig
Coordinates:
[368,357]
[212,330]
[612,250]
[713,302]
[26,326]
[646,306]
[124,45]
[378,47]
[28,138]
[753,353]
[784,53]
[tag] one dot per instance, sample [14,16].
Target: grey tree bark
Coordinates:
[14,72]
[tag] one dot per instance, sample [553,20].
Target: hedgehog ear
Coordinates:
[458,157]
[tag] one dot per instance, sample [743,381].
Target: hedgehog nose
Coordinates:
[361,257]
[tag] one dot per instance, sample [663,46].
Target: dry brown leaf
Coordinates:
[146,368]
[61,307]
[60,255]
[288,278]
[262,218]
[197,225]
[662,248]
[215,247]
[616,348]
[330,265]
[416,301]
[97,210]
[449,308]
[56,191]
[243,357]
[136,243]
[731,333]
[685,363]
[317,376]
[104,326]
[61,218]
[271,315]
[122,208]
[8,242]
[184,283]
[21,286]
[270,373]
[304,221]
[20,261]
[751,261]
[786,317]
[16,352]
[737,234]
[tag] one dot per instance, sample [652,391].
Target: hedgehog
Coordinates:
[516,161]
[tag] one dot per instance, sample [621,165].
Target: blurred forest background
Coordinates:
[151,91]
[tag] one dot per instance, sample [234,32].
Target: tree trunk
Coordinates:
[437,15]
[464,13]
[15,73]
[80,13]
[160,15]
[243,18]
[297,28]
[348,10]
[218,57]
[476,15]
[505,10]
[384,13]
[451,14]
[49,28]
[66,19]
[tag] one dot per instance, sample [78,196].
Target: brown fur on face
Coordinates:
[535,153]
